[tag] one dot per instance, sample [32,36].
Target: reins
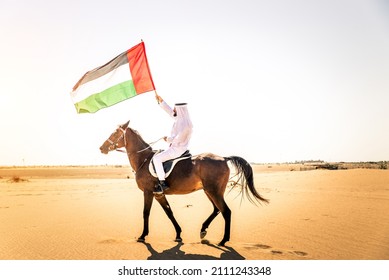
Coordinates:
[130,154]
[148,147]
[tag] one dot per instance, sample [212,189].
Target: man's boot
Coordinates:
[161,187]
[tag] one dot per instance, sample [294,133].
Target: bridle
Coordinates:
[114,145]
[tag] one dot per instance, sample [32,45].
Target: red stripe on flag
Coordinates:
[139,68]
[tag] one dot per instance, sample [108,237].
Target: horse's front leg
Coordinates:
[166,207]
[148,202]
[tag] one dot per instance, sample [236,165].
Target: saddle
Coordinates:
[169,164]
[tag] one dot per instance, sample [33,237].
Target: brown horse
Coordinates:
[206,171]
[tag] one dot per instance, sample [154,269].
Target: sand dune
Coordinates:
[96,213]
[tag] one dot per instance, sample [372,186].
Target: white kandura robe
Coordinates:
[178,140]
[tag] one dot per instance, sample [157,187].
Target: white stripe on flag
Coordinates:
[117,76]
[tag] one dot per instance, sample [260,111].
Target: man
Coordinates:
[178,140]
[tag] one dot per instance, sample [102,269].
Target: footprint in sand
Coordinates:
[256,246]
[262,246]
[110,241]
[300,253]
[276,252]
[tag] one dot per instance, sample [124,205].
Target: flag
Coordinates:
[125,76]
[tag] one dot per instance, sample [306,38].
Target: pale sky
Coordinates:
[271,81]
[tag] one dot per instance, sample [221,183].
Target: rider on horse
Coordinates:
[178,140]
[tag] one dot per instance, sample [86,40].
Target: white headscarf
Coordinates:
[182,128]
[183,117]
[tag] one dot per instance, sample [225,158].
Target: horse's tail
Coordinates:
[245,179]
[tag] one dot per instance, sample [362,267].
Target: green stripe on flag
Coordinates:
[106,98]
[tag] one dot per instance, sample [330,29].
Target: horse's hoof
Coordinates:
[141,240]
[222,243]
[203,234]
[178,240]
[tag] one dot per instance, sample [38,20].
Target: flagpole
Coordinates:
[155,91]
[156,95]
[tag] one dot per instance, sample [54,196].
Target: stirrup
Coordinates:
[160,188]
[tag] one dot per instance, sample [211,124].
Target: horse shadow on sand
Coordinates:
[175,253]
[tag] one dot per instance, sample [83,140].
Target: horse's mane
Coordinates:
[139,137]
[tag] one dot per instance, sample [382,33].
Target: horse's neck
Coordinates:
[138,160]
[137,151]
[135,143]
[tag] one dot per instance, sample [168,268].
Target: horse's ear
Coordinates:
[124,126]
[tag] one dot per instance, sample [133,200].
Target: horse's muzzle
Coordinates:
[103,150]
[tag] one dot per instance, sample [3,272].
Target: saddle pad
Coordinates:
[168,165]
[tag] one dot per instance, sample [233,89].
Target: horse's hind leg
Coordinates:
[226,212]
[166,207]
[208,221]
[220,203]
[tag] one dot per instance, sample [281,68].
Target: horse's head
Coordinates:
[116,141]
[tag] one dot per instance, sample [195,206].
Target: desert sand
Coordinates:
[78,213]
